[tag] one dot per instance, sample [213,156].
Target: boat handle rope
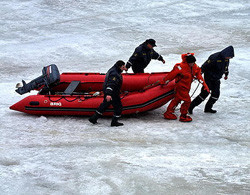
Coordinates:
[151,85]
[195,90]
[125,95]
[55,100]
[65,99]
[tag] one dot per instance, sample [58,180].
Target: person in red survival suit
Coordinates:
[183,73]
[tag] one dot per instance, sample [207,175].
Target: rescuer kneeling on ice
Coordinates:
[111,88]
[183,73]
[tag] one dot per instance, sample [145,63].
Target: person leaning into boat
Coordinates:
[183,73]
[111,89]
[143,55]
[213,69]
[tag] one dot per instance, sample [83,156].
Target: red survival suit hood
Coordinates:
[183,56]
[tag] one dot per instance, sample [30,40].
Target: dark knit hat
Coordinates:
[190,58]
[119,63]
[151,42]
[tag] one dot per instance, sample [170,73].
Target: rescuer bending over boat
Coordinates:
[143,55]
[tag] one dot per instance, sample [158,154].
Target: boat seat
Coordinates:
[71,88]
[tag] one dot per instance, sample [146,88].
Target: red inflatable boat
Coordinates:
[81,94]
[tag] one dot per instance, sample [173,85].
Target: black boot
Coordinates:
[194,103]
[209,105]
[115,123]
[93,118]
[210,111]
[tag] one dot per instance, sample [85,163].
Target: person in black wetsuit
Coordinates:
[143,55]
[111,88]
[213,69]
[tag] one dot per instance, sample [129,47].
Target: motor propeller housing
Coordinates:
[50,75]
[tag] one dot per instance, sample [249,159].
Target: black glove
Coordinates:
[128,65]
[161,58]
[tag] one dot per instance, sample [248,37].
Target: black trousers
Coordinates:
[214,86]
[137,69]
[116,103]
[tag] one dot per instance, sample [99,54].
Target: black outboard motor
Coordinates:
[50,76]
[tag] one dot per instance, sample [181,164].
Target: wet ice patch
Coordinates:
[8,161]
